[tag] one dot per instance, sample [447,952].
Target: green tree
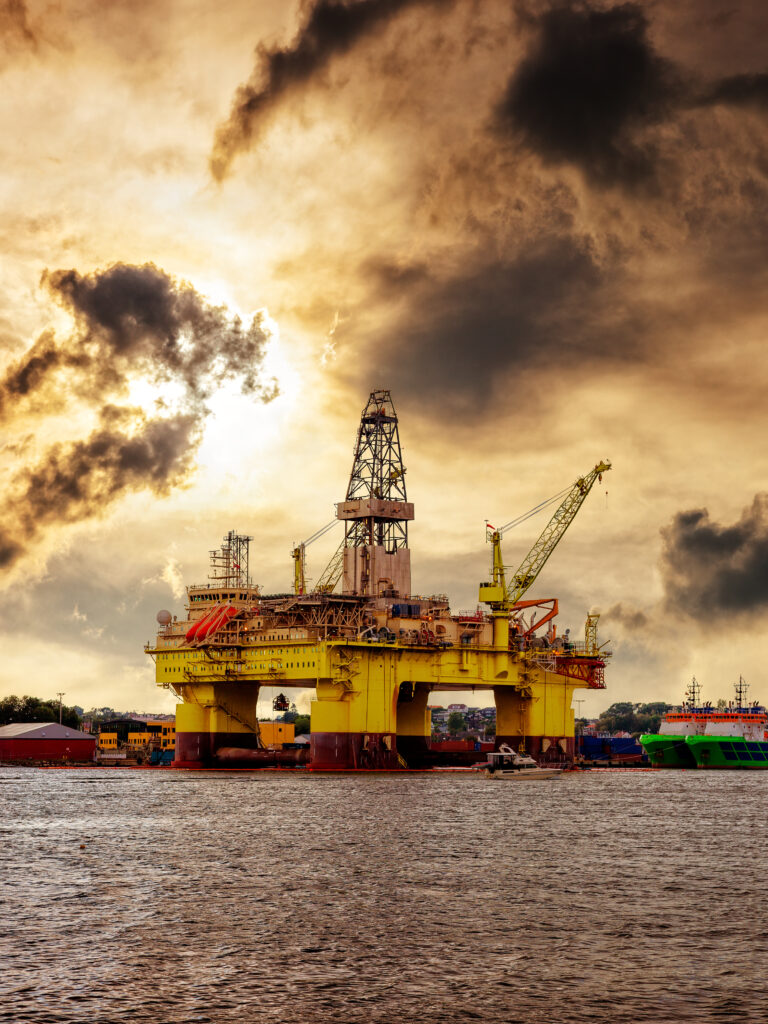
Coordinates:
[33,709]
[103,714]
[288,716]
[456,722]
[301,724]
[632,718]
[649,716]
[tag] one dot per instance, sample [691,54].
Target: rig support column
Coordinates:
[538,717]
[353,715]
[550,721]
[511,716]
[414,723]
[215,715]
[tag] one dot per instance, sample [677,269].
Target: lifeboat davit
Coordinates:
[221,618]
[194,630]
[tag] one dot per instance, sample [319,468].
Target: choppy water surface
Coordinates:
[618,897]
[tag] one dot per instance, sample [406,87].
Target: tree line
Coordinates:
[625,716]
[33,709]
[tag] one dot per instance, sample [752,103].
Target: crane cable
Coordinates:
[319,533]
[538,508]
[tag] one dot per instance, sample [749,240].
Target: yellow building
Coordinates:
[138,734]
[158,731]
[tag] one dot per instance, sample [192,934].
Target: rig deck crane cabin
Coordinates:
[374,652]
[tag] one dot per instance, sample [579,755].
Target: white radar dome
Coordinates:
[164,617]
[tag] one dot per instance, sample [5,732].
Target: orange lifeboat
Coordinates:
[193,633]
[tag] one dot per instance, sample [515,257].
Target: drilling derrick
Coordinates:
[376,511]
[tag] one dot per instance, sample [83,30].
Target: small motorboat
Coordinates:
[506,763]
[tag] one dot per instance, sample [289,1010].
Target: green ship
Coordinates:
[668,748]
[700,736]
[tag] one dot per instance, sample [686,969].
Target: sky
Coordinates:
[544,227]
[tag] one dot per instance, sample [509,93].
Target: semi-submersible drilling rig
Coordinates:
[373,652]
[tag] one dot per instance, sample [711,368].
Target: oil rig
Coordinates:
[372,651]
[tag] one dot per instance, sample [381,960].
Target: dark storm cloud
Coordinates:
[592,86]
[30,371]
[589,83]
[10,549]
[81,479]
[630,618]
[137,322]
[712,570]
[14,23]
[332,28]
[464,332]
[739,91]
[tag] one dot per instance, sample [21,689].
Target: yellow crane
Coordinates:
[330,575]
[502,596]
[299,557]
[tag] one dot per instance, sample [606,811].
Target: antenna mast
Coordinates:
[741,693]
[230,564]
[693,693]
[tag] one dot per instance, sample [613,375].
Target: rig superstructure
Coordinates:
[373,653]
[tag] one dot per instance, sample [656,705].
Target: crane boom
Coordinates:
[331,574]
[502,596]
[552,534]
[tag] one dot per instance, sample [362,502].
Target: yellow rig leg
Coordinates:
[353,716]
[512,714]
[414,724]
[215,715]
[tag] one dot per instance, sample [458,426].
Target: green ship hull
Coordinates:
[727,752]
[667,751]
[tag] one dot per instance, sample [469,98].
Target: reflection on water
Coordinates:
[618,897]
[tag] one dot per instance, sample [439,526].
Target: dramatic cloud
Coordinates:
[739,91]
[711,571]
[14,24]
[630,618]
[132,324]
[332,28]
[592,88]
[138,322]
[589,84]
[79,480]
[463,333]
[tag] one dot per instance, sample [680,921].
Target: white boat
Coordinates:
[506,763]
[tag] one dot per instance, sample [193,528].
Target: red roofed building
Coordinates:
[44,741]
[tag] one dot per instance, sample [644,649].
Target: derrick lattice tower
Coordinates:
[376,511]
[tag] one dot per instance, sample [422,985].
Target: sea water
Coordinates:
[172,896]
